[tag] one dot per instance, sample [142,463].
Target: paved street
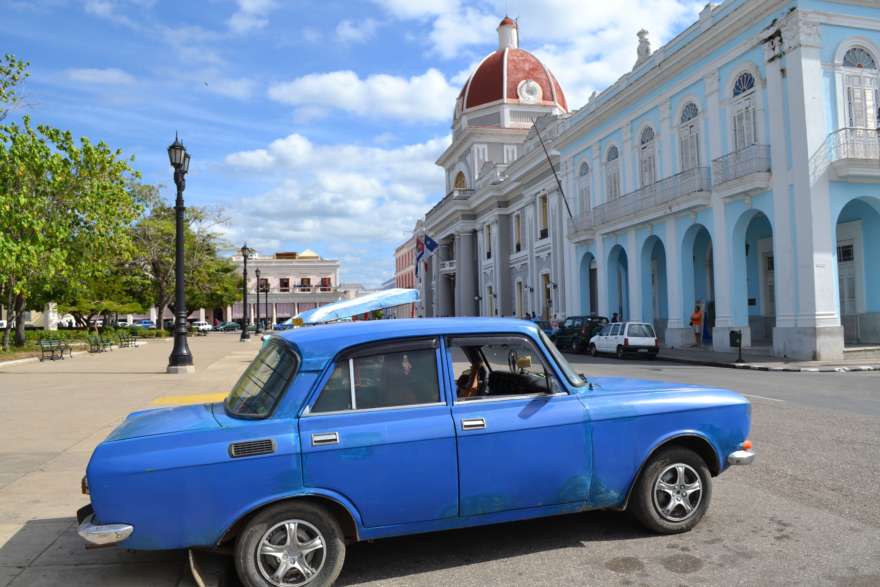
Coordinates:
[805,513]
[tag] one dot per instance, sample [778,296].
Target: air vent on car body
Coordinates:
[252,448]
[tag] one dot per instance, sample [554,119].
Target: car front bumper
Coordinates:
[100,534]
[741,457]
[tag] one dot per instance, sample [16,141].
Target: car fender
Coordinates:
[304,492]
[664,440]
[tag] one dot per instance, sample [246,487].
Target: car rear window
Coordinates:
[263,383]
[640,331]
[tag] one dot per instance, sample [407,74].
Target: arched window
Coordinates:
[612,174]
[584,186]
[460,181]
[744,119]
[689,137]
[647,158]
[860,79]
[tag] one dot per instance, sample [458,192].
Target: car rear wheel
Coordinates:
[290,545]
[593,350]
[673,491]
[620,352]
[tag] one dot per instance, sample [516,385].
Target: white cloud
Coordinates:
[109,76]
[428,97]
[350,32]
[251,15]
[586,45]
[323,195]
[312,35]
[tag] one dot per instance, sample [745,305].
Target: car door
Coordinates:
[609,344]
[379,433]
[519,445]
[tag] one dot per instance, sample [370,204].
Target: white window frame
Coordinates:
[612,174]
[689,138]
[744,119]
[584,186]
[861,91]
[647,157]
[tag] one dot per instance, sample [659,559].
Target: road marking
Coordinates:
[769,399]
[195,398]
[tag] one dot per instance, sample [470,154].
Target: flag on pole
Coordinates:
[420,248]
[430,244]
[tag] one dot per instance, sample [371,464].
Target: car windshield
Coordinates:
[566,369]
[640,331]
[262,384]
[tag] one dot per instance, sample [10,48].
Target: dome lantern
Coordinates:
[508,35]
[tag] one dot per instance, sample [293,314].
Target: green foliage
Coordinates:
[13,71]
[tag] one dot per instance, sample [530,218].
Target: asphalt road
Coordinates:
[806,512]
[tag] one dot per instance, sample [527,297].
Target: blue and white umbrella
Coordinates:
[347,309]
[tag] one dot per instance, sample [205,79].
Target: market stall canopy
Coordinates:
[344,310]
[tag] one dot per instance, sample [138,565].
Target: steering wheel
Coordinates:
[512,358]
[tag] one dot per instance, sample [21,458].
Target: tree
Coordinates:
[65,212]
[211,280]
[13,71]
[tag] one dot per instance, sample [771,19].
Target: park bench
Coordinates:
[98,344]
[52,349]
[127,340]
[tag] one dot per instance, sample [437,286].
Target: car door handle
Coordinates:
[473,423]
[325,438]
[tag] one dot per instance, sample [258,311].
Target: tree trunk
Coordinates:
[20,337]
[9,301]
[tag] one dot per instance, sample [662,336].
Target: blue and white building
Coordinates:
[737,168]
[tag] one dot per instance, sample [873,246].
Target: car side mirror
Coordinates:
[524,363]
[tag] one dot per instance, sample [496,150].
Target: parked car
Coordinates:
[122,323]
[545,326]
[144,323]
[228,326]
[202,326]
[625,338]
[575,332]
[383,428]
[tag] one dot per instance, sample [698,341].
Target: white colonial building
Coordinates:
[736,168]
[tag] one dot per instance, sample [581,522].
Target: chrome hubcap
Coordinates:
[291,553]
[678,492]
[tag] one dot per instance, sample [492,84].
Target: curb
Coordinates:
[774,369]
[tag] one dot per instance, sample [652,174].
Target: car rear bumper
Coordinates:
[741,457]
[100,534]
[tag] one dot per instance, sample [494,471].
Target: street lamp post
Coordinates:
[266,305]
[258,330]
[245,335]
[181,360]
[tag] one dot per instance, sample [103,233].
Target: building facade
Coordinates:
[405,274]
[296,282]
[736,169]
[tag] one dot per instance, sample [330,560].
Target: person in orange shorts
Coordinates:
[697,325]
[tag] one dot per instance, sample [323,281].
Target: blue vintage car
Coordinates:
[367,430]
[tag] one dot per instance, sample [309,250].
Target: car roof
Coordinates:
[319,344]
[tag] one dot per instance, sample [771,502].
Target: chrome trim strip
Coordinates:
[741,457]
[103,535]
[467,402]
[311,414]
[351,383]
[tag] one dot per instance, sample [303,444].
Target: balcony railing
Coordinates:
[742,163]
[655,196]
[581,225]
[455,194]
[852,152]
[447,265]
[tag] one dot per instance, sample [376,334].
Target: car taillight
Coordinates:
[625,342]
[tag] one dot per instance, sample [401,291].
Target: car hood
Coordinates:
[628,391]
[165,421]
[616,385]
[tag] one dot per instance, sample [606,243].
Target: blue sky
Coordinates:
[312,124]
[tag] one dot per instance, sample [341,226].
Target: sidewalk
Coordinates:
[758,361]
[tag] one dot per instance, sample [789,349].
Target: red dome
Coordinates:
[500,77]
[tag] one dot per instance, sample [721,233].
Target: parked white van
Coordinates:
[623,338]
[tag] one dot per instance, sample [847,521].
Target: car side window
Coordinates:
[486,367]
[394,378]
[569,322]
[605,330]
[615,329]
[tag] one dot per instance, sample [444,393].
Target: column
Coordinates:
[666,160]
[50,316]
[465,275]
[602,276]
[442,283]
[677,333]
[817,333]
[634,276]
[201,314]
[783,244]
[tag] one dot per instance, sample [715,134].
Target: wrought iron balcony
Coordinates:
[581,226]
[684,190]
[742,163]
[850,153]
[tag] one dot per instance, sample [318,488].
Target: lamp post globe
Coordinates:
[180,360]
[258,329]
[245,313]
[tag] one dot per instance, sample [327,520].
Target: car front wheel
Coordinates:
[673,491]
[593,350]
[290,545]
[575,345]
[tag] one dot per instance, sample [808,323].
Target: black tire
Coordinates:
[652,356]
[648,508]
[593,350]
[246,559]
[620,352]
[575,345]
